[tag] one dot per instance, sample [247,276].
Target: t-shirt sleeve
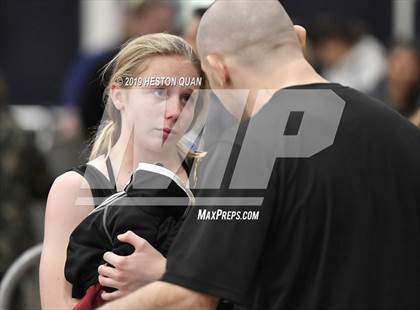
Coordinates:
[220,256]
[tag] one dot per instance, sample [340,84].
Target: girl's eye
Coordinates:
[185,98]
[161,93]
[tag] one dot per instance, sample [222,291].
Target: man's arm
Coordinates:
[163,295]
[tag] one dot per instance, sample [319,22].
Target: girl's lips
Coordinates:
[166,133]
[169,131]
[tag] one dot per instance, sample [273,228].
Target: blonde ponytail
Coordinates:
[104,140]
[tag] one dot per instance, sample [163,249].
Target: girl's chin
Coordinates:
[158,142]
[169,142]
[162,144]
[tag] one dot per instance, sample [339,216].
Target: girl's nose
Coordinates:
[173,108]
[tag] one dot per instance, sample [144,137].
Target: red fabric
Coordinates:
[92,298]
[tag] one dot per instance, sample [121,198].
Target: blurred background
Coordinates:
[51,53]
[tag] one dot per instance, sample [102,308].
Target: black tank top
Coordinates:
[99,184]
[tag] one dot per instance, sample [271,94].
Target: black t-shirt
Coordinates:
[338,226]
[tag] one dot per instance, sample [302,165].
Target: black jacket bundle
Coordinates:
[152,205]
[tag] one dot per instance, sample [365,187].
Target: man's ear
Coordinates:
[220,73]
[301,35]
[117,96]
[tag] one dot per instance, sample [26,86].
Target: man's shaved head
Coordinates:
[251,45]
[245,29]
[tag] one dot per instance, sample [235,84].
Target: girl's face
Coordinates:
[160,114]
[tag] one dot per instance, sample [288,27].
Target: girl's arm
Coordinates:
[61,217]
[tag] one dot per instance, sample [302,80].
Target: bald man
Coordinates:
[337,174]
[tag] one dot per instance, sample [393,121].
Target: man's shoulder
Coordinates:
[373,116]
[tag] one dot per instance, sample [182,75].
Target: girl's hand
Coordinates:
[131,272]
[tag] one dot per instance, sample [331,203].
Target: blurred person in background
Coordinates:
[191,27]
[24,180]
[400,87]
[345,53]
[82,89]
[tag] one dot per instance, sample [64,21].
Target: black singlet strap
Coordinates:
[110,171]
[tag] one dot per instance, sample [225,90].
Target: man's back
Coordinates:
[345,233]
[336,230]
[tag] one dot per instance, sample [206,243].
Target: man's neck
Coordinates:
[292,73]
[281,75]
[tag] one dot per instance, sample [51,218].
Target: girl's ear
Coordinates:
[117,96]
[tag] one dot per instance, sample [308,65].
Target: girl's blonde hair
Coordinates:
[131,60]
